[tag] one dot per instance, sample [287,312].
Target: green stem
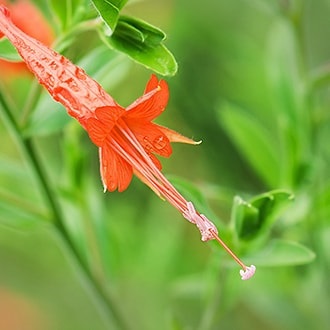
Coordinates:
[31,102]
[30,154]
[212,310]
[94,256]
[62,41]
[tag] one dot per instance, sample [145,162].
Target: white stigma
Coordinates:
[248,272]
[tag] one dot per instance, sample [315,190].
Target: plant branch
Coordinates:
[29,153]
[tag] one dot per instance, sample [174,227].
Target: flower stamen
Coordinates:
[209,231]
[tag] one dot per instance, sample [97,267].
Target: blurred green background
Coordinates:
[253,84]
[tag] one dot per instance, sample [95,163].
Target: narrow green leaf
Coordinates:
[60,8]
[109,11]
[288,99]
[282,253]
[8,51]
[253,140]
[66,11]
[283,70]
[255,217]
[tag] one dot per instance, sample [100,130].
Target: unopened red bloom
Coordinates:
[127,138]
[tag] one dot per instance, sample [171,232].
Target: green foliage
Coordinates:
[143,43]
[255,89]
[134,37]
[109,11]
[8,51]
[254,141]
[68,12]
[283,253]
[256,216]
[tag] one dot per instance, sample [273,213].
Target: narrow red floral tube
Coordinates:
[127,139]
[27,16]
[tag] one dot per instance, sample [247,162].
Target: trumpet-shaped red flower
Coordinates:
[115,130]
[127,139]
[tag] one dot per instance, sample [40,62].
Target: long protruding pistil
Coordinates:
[246,272]
[209,231]
[230,252]
[151,175]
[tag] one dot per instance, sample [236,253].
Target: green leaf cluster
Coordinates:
[256,216]
[136,38]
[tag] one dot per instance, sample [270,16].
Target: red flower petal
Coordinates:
[151,104]
[96,130]
[151,138]
[173,136]
[116,173]
[99,128]
[109,115]
[156,161]
[152,84]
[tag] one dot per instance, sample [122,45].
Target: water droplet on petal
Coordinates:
[65,97]
[72,84]
[147,145]
[44,59]
[49,80]
[159,142]
[53,65]
[63,60]
[80,74]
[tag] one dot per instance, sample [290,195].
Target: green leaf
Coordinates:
[143,43]
[109,11]
[282,253]
[288,95]
[146,33]
[254,217]
[253,140]
[66,11]
[283,70]
[8,51]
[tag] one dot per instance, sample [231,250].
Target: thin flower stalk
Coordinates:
[127,139]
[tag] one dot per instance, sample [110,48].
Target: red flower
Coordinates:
[132,126]
[127,138]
